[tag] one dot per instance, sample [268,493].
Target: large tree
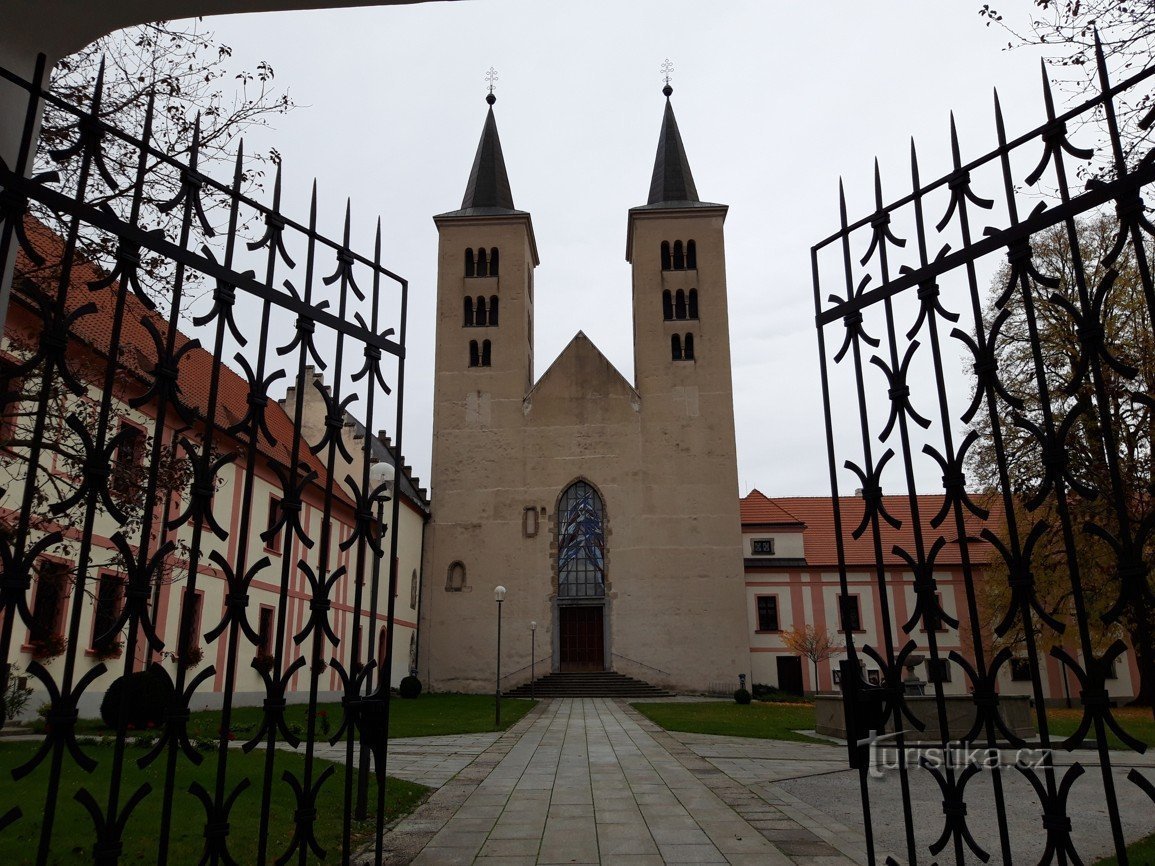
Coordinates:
[1057,394]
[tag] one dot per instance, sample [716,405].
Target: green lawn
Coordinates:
[425,716]
[1141,853]
[1136,721]
[73,832]
[766,721]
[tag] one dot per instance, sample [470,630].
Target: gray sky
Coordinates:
[775,102]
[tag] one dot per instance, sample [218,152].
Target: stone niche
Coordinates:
[830,720]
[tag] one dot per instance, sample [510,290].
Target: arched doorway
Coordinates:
[581,579]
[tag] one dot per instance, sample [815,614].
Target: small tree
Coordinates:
[813,643]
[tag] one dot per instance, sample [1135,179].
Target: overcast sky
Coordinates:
[775,102]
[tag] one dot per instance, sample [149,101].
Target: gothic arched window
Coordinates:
[493,262]
[691,255]
[679,257]
[680,305]
[581,543]
[493,311]
[665,255]
[482,265]
[688,351]
[693,303]
[676,347]
[667,306]
[485,353]
[468,311]
[470,268]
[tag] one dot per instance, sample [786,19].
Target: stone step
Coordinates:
[588,684]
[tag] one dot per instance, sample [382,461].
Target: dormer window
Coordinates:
[762,546]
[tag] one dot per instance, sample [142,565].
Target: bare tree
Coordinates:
[1065,31]
[812,643]
[196,82]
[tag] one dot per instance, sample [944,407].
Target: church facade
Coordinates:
[608,509]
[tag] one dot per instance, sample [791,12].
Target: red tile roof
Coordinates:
[758,508]
[138,352]
[817,515]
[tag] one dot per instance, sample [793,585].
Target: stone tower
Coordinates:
[608,509]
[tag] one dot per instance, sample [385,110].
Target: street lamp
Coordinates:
[532,654]
[499,597]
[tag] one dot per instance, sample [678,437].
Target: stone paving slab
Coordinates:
[592,781]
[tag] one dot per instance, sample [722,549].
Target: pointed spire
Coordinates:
[672,180]
[488,185]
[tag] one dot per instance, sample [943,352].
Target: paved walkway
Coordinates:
[587,781]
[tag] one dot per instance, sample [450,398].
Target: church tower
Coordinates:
[608,510]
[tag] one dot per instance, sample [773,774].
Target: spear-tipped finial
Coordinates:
[1000,127]
[842,201]
[491,80]
[348,220]
[956,151]
[1048,97]
[877,184]
[667,72]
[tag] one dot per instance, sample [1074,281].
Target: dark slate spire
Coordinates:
[488,182]
[672,181]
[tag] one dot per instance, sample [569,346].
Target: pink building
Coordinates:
[792,579]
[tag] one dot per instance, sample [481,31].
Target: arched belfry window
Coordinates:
[474,358]
[679,257]
[485,353]
[667,306]
[693,303]
[581,543]
[665,255]
[480,318]
[680,304]
[676,347]
[470,267]
[493,262]
[688,348]
[691,255]
[482,264]
[468,312]
[493,311]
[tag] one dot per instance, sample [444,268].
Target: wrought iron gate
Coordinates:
[156,492]
[1027,411]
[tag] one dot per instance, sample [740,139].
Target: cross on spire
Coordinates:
[491,80]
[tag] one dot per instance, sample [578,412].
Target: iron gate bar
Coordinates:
[1127,543]
[200,431]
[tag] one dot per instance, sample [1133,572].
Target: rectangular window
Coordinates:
[762,546]
[48,602]
[1020,669]
[128,459]
[273,542]
[937,671]
[851,613]
[109,598]
[193,635]
[767,613]
[266,618]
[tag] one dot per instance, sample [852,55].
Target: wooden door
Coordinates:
[790,674]
[581,638]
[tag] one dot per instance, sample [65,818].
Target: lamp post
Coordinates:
[532,654]
[499,597]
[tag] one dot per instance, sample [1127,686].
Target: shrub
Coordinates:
[14,699]
[145,697]
[410,687]
[49,647]
[742,696]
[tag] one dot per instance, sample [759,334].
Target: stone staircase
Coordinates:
[599,684]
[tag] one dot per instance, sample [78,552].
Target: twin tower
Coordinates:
[608,509]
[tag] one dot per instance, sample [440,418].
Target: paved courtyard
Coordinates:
[585,781]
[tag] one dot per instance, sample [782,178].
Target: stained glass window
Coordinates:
[580,543]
